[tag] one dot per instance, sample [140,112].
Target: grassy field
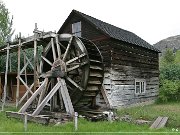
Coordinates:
[150,112]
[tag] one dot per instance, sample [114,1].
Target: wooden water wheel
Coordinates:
[73,72]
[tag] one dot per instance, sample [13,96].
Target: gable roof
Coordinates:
[115,32]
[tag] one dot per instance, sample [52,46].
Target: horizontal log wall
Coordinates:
[125,63]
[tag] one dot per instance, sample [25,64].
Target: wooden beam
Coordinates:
[18,71]
[37,119]
[35,62]
[26,94]
[50,63]
[46,99]
[0,87]
[5,83]
[35,94]
[67,49]
[66,98]
[58,47]
[53,49]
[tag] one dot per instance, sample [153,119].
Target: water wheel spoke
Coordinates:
[77,66]
[74,83]
[53,49]
[76,58]
[58,47]
[50,63]
[67,49]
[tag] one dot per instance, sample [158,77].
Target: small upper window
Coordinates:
[140,86]
[76,29]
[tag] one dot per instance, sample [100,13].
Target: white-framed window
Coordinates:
[140,86]
[76,29]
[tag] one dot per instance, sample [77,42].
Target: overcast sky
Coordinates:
[152,20]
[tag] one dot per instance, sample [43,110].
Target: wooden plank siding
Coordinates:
[125,63]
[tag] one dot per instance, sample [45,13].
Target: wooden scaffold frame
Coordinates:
[31,42]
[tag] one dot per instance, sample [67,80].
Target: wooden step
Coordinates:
[92,88]
[94,74]
[94,82]
[89,94]
[95,61]
[95,67]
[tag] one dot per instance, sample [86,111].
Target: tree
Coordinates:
[6,23]
[169,56]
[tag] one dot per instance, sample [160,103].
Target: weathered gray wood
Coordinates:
[31,99]
[35,63]
[5,83]
[46,99]
[37,119]
[42,95]
[58,47]
[66,98]
[163,122]
[76,58]
[156,122]
[29,89]
[18,70]
[25,121]
[160,122]
[67,49]
[28,60]
[105,96]
[76,121]
[25,71]
[74,83]
[53,49]
[26,93]
[50,63]
[60,99]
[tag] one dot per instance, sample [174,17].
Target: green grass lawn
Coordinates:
[149,112]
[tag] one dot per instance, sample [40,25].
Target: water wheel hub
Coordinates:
[59,69]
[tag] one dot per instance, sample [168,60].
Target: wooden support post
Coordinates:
[66,98]
[10,67]
[25,121]
[46,99]
[35,94]
[18,71]
[58,47]
[25,71]
[0,87]
[5,83]
[35,61]
[76,121]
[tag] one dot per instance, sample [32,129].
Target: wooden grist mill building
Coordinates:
[86,63]
[131,65]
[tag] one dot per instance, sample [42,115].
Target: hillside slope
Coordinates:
[170,42]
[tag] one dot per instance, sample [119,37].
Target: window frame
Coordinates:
[76,31]
[142,86]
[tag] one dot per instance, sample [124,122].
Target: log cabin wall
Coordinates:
[127,63]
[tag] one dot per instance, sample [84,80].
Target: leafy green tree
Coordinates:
[6,23]
[169,56]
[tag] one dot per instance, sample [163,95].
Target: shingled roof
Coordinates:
[116,33]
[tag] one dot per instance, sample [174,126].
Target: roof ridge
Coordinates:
[116,32]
